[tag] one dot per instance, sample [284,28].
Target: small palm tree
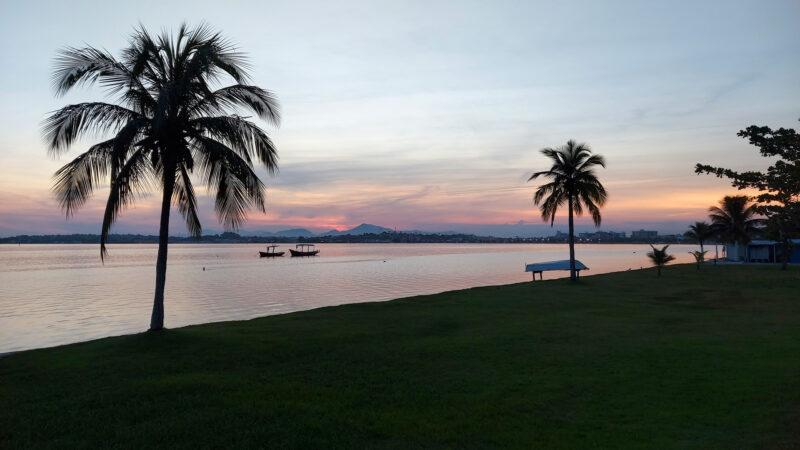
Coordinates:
[735,220]
[699,257]
[574,182]
[170,121]
[700,232]
[659,257]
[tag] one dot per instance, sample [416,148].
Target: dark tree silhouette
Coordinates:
[572,181]
[779,185]
[171,120]
[735,220]
[660,257]
[699,257]
[700,232]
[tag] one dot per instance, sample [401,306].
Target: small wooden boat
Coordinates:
[271,252]
[303,250]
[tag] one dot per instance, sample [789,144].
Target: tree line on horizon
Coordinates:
[384,237]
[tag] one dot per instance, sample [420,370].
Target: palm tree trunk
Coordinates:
[572,274]
[701,246]
[157,318]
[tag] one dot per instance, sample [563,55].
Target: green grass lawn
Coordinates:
[707,359]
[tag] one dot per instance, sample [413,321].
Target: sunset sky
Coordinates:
[429,115]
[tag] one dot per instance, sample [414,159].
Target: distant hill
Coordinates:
[294,232]
[364,228]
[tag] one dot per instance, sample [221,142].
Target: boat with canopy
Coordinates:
[272,252]
[304,250]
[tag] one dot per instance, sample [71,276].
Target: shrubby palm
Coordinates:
[572,181]
[170,121]
[699,257]
[660,257]
[735,220]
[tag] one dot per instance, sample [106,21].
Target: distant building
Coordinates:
[602,236]
[644,235]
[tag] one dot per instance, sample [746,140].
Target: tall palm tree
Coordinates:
[170,121]
[660,257]
[735,220]
[700,232]
[572,180]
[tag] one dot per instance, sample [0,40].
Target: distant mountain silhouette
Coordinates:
[364,228]
[294,232]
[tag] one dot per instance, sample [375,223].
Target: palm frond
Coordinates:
[551,204]
[183,196]
[588,199]
[80,66]
[235,184]
[243,136]
[64,126]
[593,160]
[226,100]
[74,182]
[131,181]
[209,54]
[544,190]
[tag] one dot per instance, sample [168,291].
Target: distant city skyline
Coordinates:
[430,115]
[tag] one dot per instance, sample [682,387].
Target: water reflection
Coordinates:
[56,294]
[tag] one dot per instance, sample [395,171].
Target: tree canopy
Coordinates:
[778,198]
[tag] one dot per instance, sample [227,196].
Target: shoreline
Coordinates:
[449,292]
[395,299]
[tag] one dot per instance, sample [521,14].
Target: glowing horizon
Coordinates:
[405,117]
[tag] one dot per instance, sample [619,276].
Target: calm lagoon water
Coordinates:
[58,294]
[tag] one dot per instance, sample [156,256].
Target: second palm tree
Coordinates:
[572,181]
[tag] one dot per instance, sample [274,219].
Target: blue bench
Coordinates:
[554,265]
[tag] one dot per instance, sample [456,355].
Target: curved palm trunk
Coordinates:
[157,318]
[572,274]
